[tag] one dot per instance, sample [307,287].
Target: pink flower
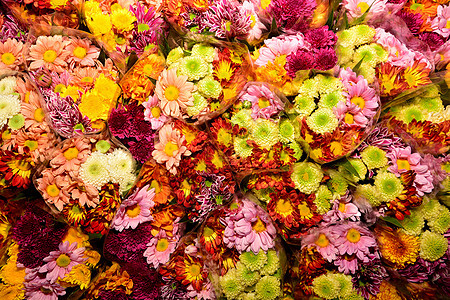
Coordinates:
[86,194]
[60,262]
[402,160]
[343,209]
[265,103]
[82,52]
[363,96]
[153,113]
[11,56]
[249,229]
[347,265]
[256,26]
[354,239]
[39,288]
[323,240]
[135,210]
[170,148]
[277,46]
[441,23]
[357,8]
[49,52]
[54,188]
[159,249]
[69,158]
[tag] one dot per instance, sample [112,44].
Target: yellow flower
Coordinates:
[106,88]
[94,107]
[79,275]
[12,292]
[75,235]
[93,257]
[10,273]
[71,91]
[123,19]
[99,23]
[57,3]
[91,7]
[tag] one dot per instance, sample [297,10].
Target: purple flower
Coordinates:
[321,37]
[300,60]
[325,59]
[292,14]
[142,290]
[227,20]
[141,150]
[367,279]
[381,137]
[433,40]
[112,295]
[173,290]
[413,21]
[12,29]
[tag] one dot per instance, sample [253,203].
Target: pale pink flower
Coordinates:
[362,96]
[170,148]
[60,262]
[153,112]
[11,56]
[174,92]
[37,287]
[347,265]
[159,249]
[69,158]
[54,188]
[356,8]
[354,239]
[82,52]
[86,193]
[49,52]
[265,103]
[442,56]
[256,26]
[441,23]
[277,46]
[323,240]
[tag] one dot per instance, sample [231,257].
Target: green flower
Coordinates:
[346,39]
[268,288]
[429,208]
[298,152]
[363,34]
[374,157]
[411,112]
[345,284]
[414,223]
[209,87]
[323,199]
[322,121]
[380,51]
[194,67]
[330,100]
[441,222]
[306,177]
[370,193]
[265,133]
[328,84]
[389,186]
[243,118]
[309,89]
[200,103]
[304,105]
[430,104]
[230,284]
[286,131]
[273,263]
[345,54]
[337,183]
[432,246]
[16,122]
[242,148]
[245,276]
[174,55]
[367,54]
[367,72]
[252,261]
[353,296]
[326,286]
[204,51]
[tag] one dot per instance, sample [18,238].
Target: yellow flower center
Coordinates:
[50,56]
[171,93]
[52,190]
[411,80]
[156,112]
[342,207]
[305,176]
[63,260]
[263,103]
[8,58]
[253,19]
[207,232]
[363,6]
[322,241]
[336,148]
[353,235]
[80,52]
[403,164]
[224,137]
[56,3]
[170,148]
[148,69]
[162,245]
[32,145]
[228,25]
[155,185]
[447,25]
[259,226]
[195,269]
[304,210]
[133,211]
[6,135]
[71,153]
[348,118]
[359,100]
[87,79]
[265,3]
[60,88]
[284,207]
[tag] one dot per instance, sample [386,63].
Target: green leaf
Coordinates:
[392,220]
[350,168]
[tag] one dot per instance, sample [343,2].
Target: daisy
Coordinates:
[60,262]
[354,239]
[11,56]
[82,52]
[174,92]
[159,249]
[363,96]
[86,194]
[70,157]
[85,77]
[170,148]
[323,240]
[38,288]
[282,45]
[264,102]
[53,188]
[49,52]
[256,26]
[357,8]
[135,210]
[33,112]
[440,23]
[153,113]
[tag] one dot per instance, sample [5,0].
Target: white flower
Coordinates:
[7,85]
[9,106]
[95,170]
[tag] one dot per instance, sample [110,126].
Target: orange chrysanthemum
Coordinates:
[397,247]
[387,292]
[416,75]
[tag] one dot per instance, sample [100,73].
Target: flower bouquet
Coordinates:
[84,180]
[51,12]
[77,82]
[45,258]
[125,27]
[26,136]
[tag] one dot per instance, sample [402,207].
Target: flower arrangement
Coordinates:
[12,40]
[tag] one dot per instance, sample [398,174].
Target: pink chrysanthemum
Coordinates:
[356,8]
[323,240]
[153,113]
[264,102]
[282,45]
[54,189]
[60,262]
[86,194]
[49,52]
[343,209]
[402,160]
[354,240]
[170,148]
[135,210]
[82,52]
[159,249]
[11,56]
[256,26]
[440,23]
[249,229]
[174,92]
[38,288]
[363,96]
[227,20]
[69,158]
[347,265]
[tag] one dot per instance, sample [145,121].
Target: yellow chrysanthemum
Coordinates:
[399,248]
[12,292]
[79,275]
[123,19]
[106,88]
[99,23]
[94,107]
[387,292]
[75,235]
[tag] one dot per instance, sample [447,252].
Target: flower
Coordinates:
[265,133]
[432,245]
[265,103]
[70,156]
[49,52]
[227,20]
[369,8]
[398,247]
[122,19]
[292,14]
[82,52]
[326,286]
[170,148]
[326,58]
[354,239]
[306,176]
[323,120]
[159,249]
[389,186]
[174,92]
[11,56]
[153,113]
[60,262]
[268,288]
[368,278]
[439,23]
[9,106]
[54,188]
[37,288]
[374,157]
[135,210]
[94,170]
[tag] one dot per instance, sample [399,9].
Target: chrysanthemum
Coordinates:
[59,263]
[398,247]
[49,52]
[432,245]
[440,222]
[82,52]
[200,104]
[70,156]
[323,240]
[357,8]
[135,210]
[11,56]
[40,288]
[122,19]
[354,240]
[440,22]
[8,85]
[322,121]
[94,170]
[264,101]
[306,176]
[159,249]
[326,286]
[121,164]
[292,15]
[374,157]
[194,67]
[9,106]
[54,189]
[209,87]
[230,285]
[174,92]
[268,288]
[153,113]
[389,186]
[227,20]
[265,133]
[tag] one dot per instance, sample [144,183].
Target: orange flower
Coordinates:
[49,52]
[11,56]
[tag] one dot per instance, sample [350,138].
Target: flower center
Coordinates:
[403,164]
[8,58]
[32,145]
[353,235]
[348,118]
[23,165]
[156,112]
[133,211]
[304,209]
[52,190]
[228,25]
[155,185]
[284,207]
[171,93]
[363,6]
[143,27]
[39,115]
[258,226]
[50,56]
[416,6]
[341,207]
[45,291]
[447,25]
[71,153]
[87,79]
[263,103]
[359,100]
[63,260]
[322,241]
[305,176]
[195,269]
[80,52]
[207,232]
[170,148]
[162,245]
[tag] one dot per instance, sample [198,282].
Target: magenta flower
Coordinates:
[265,103]
[135,210]
[323,240]
[153,113]
[249,229]
[403,160]
[326,58]
[277,46]
[292,14]
[227,19]
[300,60]
[60,262]
[37,287]
[159,249]
[354,239]
[321,37]
[347,265]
